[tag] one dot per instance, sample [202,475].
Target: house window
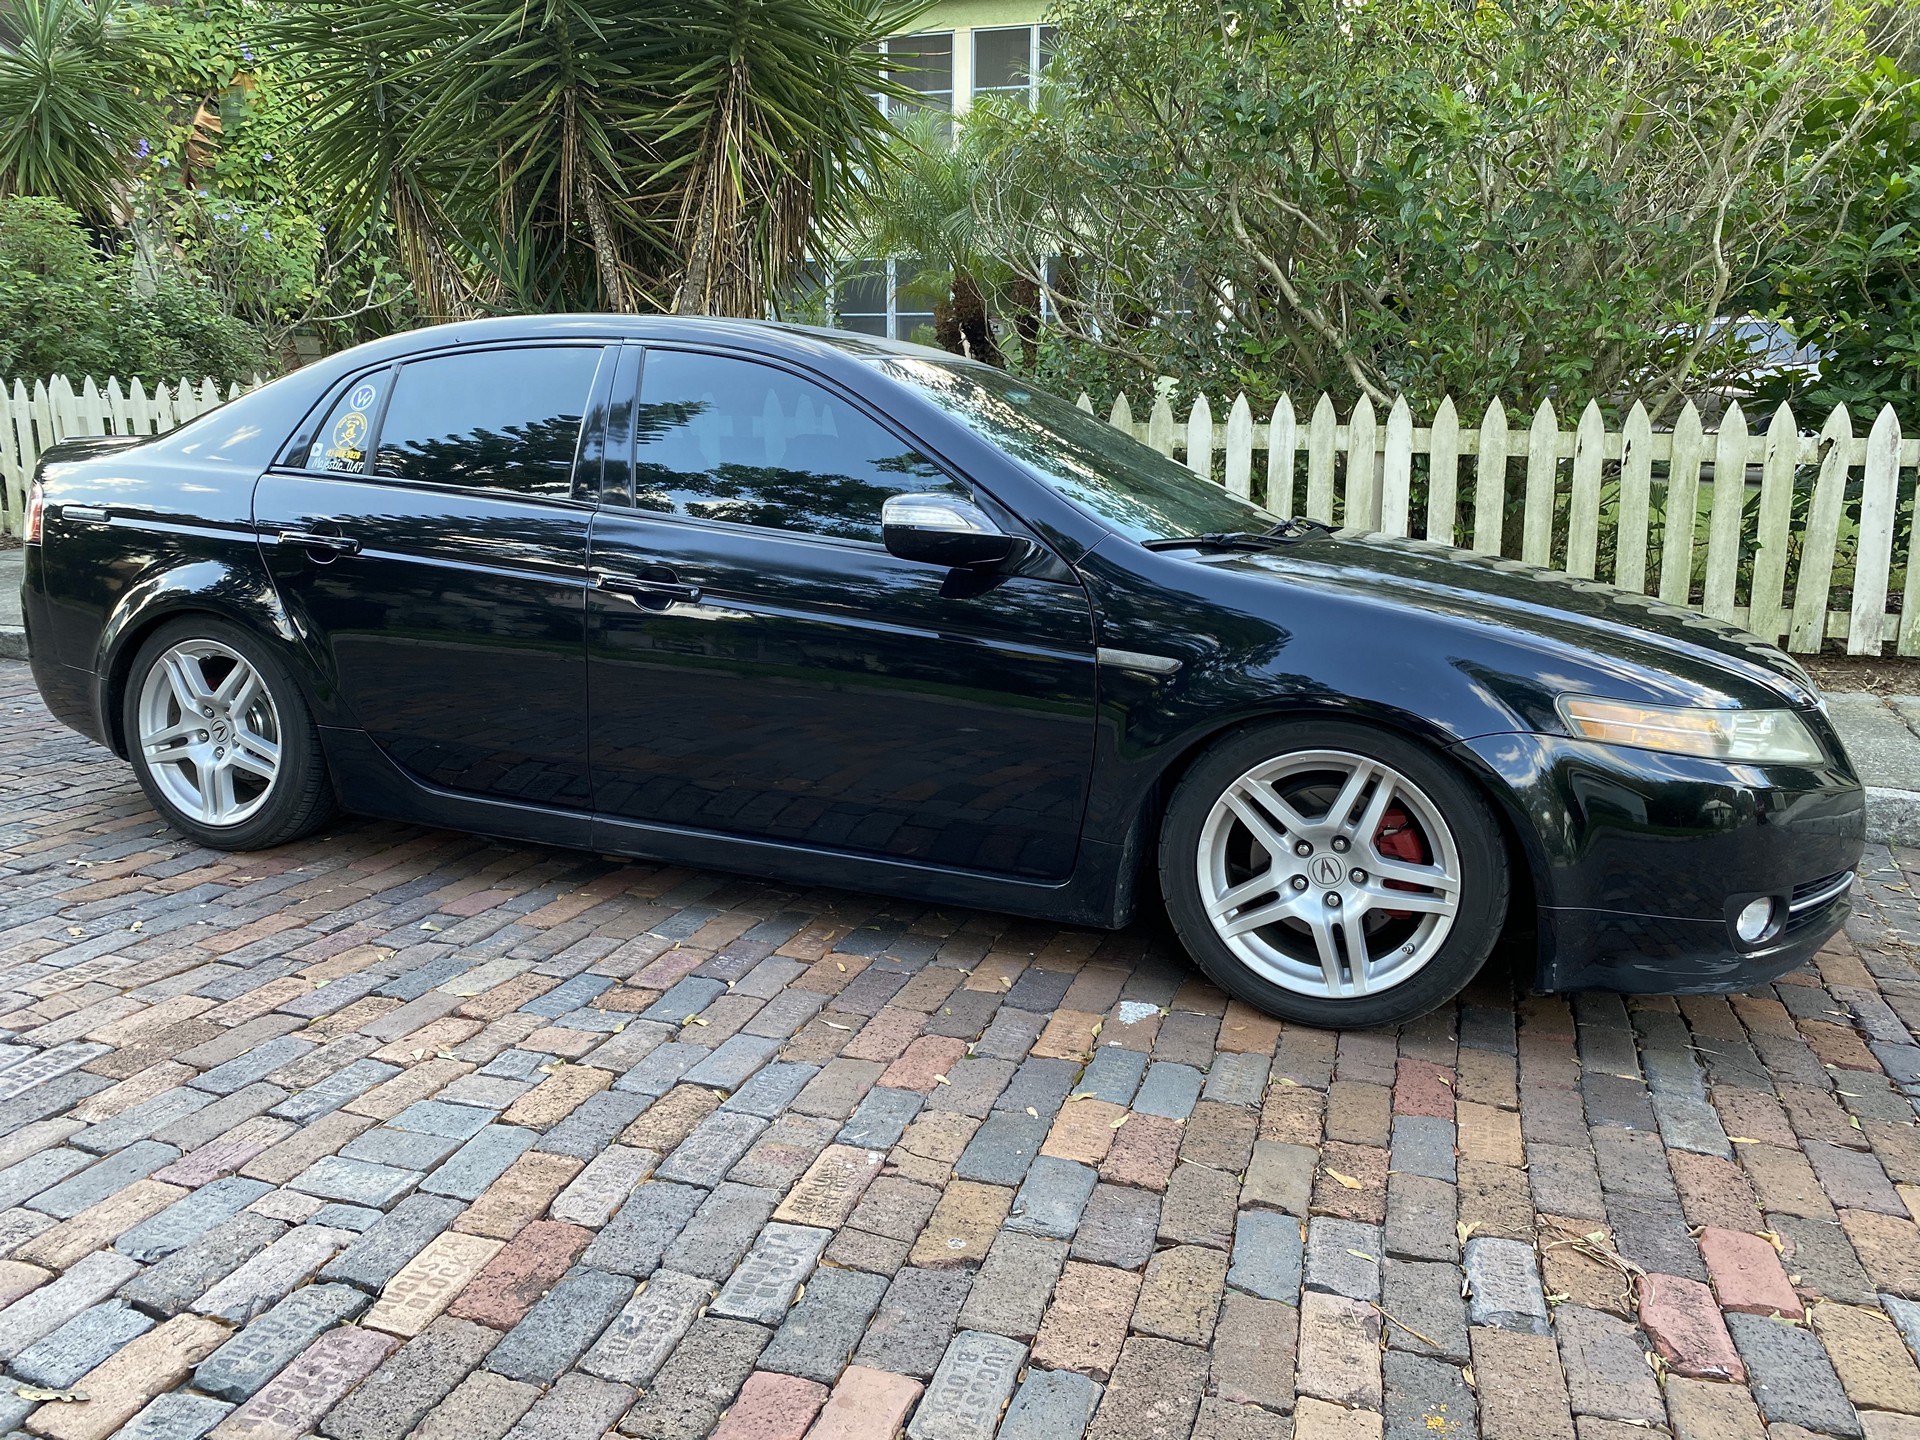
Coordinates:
[924,65]
[1009,61]
[878,297]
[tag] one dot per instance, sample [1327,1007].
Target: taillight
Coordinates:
[36,511]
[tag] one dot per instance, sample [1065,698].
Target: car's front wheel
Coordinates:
[1332,873]
[221,738]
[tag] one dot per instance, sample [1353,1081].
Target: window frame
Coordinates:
[588,447]
[630,449]
[1035,63]
[888,105]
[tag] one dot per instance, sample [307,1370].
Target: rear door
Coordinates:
[430,547]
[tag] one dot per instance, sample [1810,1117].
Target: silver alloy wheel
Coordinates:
[1297,886]
[209,731]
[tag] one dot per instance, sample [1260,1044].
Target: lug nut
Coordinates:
[1340,843]
[201,736]
[1357,875]
[219,754]
[1333,901]
[1302,848]
[1299,882]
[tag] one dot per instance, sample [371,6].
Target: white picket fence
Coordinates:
[1803,546]
[1813,540]
[53,410]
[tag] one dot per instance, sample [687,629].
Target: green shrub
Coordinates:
[66,308]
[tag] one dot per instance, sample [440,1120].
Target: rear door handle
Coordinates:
[308,540]
[647,591]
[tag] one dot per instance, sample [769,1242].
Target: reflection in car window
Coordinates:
[724,439]
[340,445]
[1113,477]
[493,420]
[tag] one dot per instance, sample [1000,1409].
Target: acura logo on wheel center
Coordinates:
[1327,870]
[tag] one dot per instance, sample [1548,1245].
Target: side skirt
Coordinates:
[368,782]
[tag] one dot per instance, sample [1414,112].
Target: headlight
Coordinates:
[1775,737]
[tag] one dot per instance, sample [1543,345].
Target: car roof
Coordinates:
[586,325]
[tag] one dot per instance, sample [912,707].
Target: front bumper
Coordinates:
[1640,859]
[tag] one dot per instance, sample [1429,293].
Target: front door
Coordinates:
[761,667]
[430,548]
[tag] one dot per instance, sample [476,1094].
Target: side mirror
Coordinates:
[943,530]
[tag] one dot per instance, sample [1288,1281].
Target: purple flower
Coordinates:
[143,149]
[267,156]
[246,54]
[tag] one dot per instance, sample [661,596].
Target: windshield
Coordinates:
[1113,477]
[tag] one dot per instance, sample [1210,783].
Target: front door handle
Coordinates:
[655,591]
[308,540]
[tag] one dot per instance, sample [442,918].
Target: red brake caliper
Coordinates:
[1398,839]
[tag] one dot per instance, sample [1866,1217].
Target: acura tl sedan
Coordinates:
[827,609]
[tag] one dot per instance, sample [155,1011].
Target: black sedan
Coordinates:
[828,609]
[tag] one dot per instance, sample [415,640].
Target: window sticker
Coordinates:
[364,394]
[348,448]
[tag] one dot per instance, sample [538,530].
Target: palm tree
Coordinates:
[70,102]
[587,154]
[921,206]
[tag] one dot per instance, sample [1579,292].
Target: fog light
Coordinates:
[1754,921]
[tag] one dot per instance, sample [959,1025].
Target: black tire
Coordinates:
[298,801]
[1484,879]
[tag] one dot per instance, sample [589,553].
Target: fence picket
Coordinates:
[1121,416]
[139,409]
[1160,426]
[1085,402]
[1200,438]
[1282,437]
[1363,469]
[1766,615]
[1822,535]
[1543,466]
[1683,502]
[1879,496]
[1636,477]
[1320,439]
[1396,469]
[1490,481]
[1725,512]
[1443,472]
[1240,448]
[1583,513]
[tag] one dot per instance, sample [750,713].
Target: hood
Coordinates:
[1544,608]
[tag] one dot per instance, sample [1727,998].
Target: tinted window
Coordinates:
[497,420]
[341,443]
[1113,477]
[725,439]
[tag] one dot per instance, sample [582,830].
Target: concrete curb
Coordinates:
[13,643]
[1893,816]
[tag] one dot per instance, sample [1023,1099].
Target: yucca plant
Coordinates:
[585,154]
[70,105]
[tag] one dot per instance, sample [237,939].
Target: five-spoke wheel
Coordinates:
[221,738]
[210,731]
[1332,872]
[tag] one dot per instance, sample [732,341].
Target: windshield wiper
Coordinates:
[1285,533]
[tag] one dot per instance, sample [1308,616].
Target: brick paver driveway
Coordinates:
[402,1132]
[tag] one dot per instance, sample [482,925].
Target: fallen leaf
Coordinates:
[1346,1180]
[833,1025]
[1464,1228]
[40,1392]
[941,1080]
[840,967]
[77,932]
[692,1020]
[1120,1120]
[1362,1255]
[1032,1113]
[428,925]
[138,925]
[1742,1140]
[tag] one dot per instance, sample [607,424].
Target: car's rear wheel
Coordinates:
[1332,873]
[221,738]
